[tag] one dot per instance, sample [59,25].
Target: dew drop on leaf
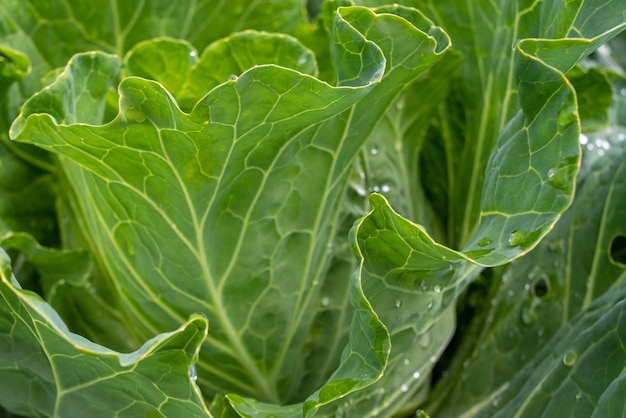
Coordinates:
[570,358]
[517,237]
[404,388]
[232,77]
[528,313]
[437,289]
[578,395]
[398,303]
[584,139]
[325,301]
[560,178]
[374,151]
[484,242]
[416,375]
[405,361]
[192,373]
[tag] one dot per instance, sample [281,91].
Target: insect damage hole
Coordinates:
[540,287]
[617,250]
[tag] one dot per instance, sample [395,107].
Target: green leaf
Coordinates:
[529,183]
[224,186]
[175,63]
[540,294]
[578,373]
[40,356]
[595,96]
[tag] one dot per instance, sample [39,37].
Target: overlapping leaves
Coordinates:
[223,181]
[247,182]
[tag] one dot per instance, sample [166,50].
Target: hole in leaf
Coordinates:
[617,250]
[540,287]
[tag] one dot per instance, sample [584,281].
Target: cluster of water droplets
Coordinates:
[599,145]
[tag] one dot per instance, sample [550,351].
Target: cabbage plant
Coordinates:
[298,209]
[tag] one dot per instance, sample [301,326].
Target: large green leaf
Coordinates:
[49,33]
[244,190]
[529,182]
[538,295]
[39,357]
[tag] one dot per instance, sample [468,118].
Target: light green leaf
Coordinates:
[175,63]
[40,356]
[540,294]
[245,191]
[529,183]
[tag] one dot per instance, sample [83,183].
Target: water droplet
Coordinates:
[603,143]
[302,59]
[233,77]
[398,303]
[360,190]
[374,151]
[425,340]
[192,373]
[433,359]
[385,188]
[578,395]
[404,388]
[562,177]
[568,114]
[192,53]
[528,315]
[484,242]
[584,139]
[570,358]
[517,237]
[416,375]
[424,286]
[495,403]
[405,361]
[325,301]
[431,303]
[437,288]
